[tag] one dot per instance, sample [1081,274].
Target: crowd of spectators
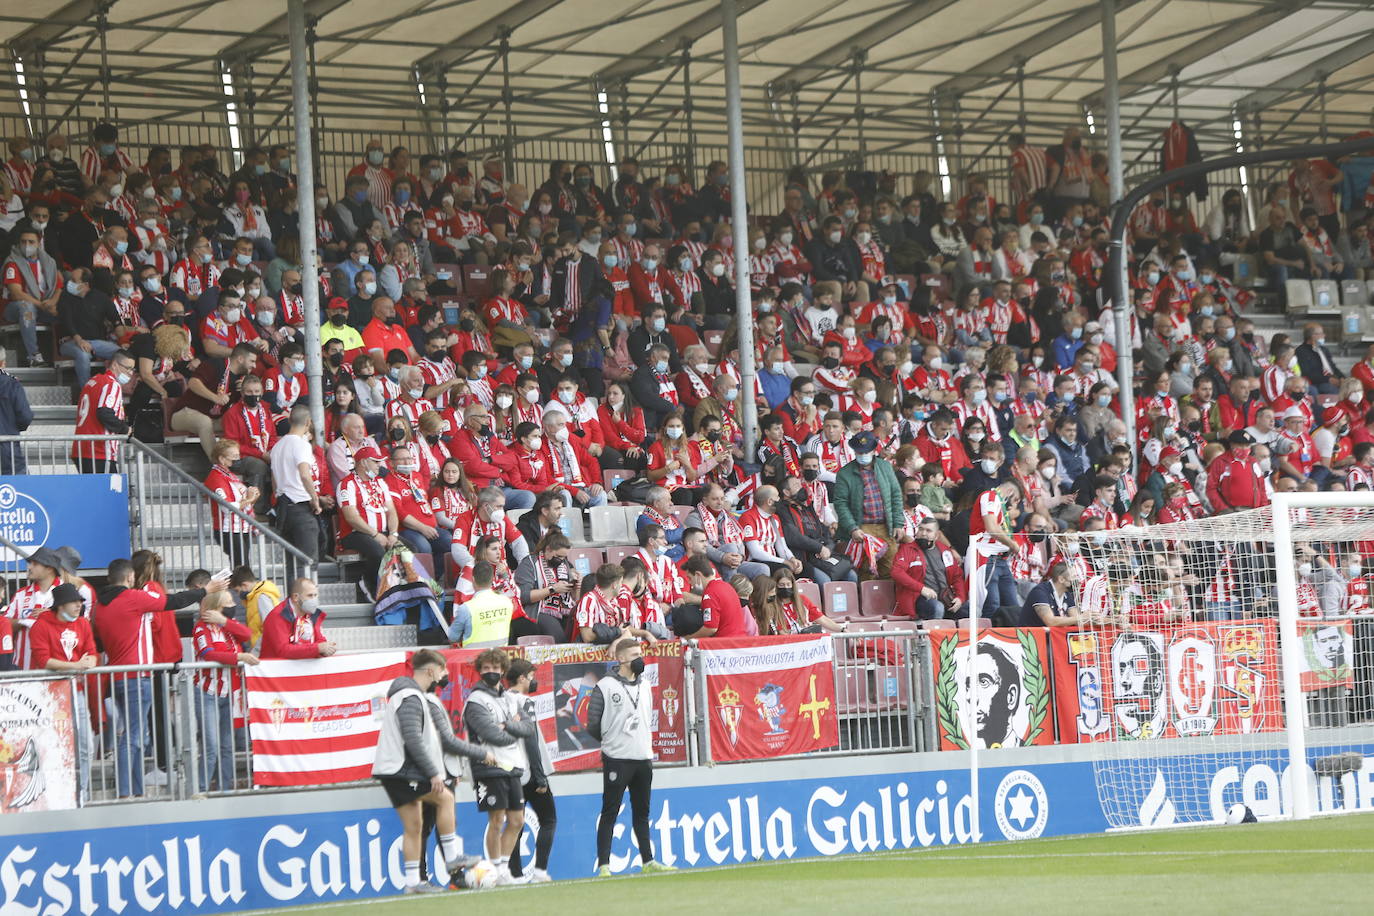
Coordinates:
[929,370]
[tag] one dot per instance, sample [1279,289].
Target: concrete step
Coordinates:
[48,395]
[63,416]
[339,593]
[348,615]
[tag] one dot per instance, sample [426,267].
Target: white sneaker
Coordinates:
[538,876]
[504,877]
[155,777]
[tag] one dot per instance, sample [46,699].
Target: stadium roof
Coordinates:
[967,70]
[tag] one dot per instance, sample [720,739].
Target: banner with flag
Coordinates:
[1010,706]
[770,696]
[315,721]
[1189,680]
[1328,651]
[981,551]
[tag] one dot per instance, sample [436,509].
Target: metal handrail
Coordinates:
[148,452]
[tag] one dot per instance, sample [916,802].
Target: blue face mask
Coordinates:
[1185,275]
[1037,219]
[650,265]
[359,195]
[1104,400]
[611,261]
[259,169]
[402,196]
[1000,396]
[865,459]
[1077,221]
[1207,310]
[107,149]
[659,324]
[121,247]
[526,362]
[243,260]
[1076,333]
[661,366]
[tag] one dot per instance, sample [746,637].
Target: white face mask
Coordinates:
[702,368]
[497,515]
[532,395]
[1049,473]
[989,466]
[870,396]
[504,401]
[1304,569]
[232,316]
[561,435]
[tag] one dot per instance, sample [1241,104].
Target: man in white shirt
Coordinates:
[298,502]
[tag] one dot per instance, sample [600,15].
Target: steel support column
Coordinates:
[508,153]
[1111,101]
[859,57]
[687,105]
[744,312]
[305,207]
[102,26]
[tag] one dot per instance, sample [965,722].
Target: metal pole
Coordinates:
[102,23]
[506,99]
[1294,701]
[687,106]
[312,118]
[1121,309]
[739,216]
[305,207]
[859,58]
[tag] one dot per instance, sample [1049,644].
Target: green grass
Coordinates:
[1324,865]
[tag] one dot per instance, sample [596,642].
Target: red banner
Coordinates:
[1012,707]
[770,696]
[1178,681]
[566,675]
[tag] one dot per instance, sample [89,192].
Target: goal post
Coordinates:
[1214,669]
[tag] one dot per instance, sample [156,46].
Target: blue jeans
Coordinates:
[133,699]
[518,499]
[25,314]
[216,742]
[1222,610]
[437,548]
[568,498]
[100,349]
[1001,587]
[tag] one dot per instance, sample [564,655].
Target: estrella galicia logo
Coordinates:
[23,520]
[1021,806]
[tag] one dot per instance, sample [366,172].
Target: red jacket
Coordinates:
[127,619]
[284,635]
[48,639]
[533,470]
[1235,483]
[589,467]
[480,471]
[622,434]
[950,456]
[639,287]
[909,574]
[236,427]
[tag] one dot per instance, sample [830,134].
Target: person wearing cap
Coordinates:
[1301,454]
[61,639]
[338,328]
[44,569]
[1234,478]
[868,500]
[1169,471]
[1335,451]
[368,522]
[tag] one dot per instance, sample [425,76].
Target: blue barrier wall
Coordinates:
[223,855]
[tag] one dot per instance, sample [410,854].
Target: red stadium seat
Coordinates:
[540,640]
[877,597]
[713,340]
[476,283]
[810,591]
[841,599]
[586,559]
[941,624]
[612,478]
[616,554]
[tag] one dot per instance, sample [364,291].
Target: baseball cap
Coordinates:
[1240,437]
[863,442]
[368,451]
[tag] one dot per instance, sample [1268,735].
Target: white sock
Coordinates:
[413,873]
[448,845]
[500,860]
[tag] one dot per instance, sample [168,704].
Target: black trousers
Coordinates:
[616,777]
[542,804]
[297,524]
[97,466]
[372,554]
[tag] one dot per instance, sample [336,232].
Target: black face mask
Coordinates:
[785,591]
[492,679]
[465,205]
[436,355]
[810,474]
[432,440]
[176,320]
[295,289]
[925,543]
[556,562]
[713,436]
[913,500]
[338,320]
[637,667]
[566,177]
[484,430]
[1038,536]
[441,684]
[251,400]
[462,171]
[336,360]
[396,434]
[466,325]
[830,362]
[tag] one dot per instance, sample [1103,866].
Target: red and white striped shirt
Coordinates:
[370,498]
[101,391]
[410,410]
[229,487]
[93,164]
[219,643]
[20,174]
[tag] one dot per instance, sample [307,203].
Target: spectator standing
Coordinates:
[620,718]
[218,638]
[368,521]
[234,532]
[100,412]
[15,417]
[298,502]
[61,639]
[868,501]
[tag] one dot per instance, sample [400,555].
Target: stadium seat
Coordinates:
[713,340]
[1247,273]
[985,623]
[810,591]
[586,559]
[1326,295]
[901,625]
[941,624]
[854,694]
[861,624]
[540,640]
[619,552]
[426,562]
[910,283]
[1299,294]
[877,597]
[938,284]
[1369,286]
[571,524]
[841,599]
[608,525]
[613,477]
[1354,292]
[681,512]
[476,283]
[683,336]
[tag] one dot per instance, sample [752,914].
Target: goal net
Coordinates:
[1214,653]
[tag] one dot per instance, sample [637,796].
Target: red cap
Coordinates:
[337,303]
[368,451]
[1169,452]
[1331,415]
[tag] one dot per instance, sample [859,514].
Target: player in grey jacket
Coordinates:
[538,792]
[620,716]
[498,723]
[411,765]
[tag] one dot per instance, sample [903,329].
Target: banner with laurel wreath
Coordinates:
[1011,705]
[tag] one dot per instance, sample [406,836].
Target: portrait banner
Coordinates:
[1011,706]
[38,758]
[1328,649]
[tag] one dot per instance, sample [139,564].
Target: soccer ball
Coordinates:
[482,875]
[1239,814]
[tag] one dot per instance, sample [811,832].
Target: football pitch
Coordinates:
[1324,865]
